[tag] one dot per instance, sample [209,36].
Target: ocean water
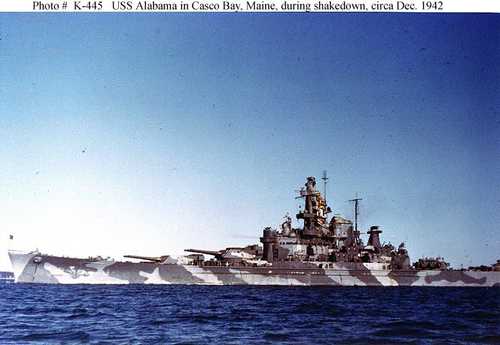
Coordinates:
[141,314]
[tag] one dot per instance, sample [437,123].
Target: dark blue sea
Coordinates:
[138,314]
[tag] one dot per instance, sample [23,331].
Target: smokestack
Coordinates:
[268,239]
[374,239]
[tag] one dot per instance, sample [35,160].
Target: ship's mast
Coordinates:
[325,181]
[356,201]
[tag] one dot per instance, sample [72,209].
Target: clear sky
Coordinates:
[147,134]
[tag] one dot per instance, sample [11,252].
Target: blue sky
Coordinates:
[148,134]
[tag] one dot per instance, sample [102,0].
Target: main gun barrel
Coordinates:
[201,251]
[147,258]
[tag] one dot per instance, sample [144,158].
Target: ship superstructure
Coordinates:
[323,240]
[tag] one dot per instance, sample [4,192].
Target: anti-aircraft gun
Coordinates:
[431,264]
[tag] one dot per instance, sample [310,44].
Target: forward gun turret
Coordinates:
[216,253]
[232,254]
[158,259]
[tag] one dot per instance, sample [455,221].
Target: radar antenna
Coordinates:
[356,201]
[325,181]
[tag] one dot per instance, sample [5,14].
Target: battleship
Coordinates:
[327,249]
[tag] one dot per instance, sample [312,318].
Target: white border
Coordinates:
[372,6]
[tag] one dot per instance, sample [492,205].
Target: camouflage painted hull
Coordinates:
[37,268]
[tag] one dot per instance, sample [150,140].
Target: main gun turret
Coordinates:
[158,259]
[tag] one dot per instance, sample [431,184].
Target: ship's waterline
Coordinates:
[40,268]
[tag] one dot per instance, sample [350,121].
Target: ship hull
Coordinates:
[36,268]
